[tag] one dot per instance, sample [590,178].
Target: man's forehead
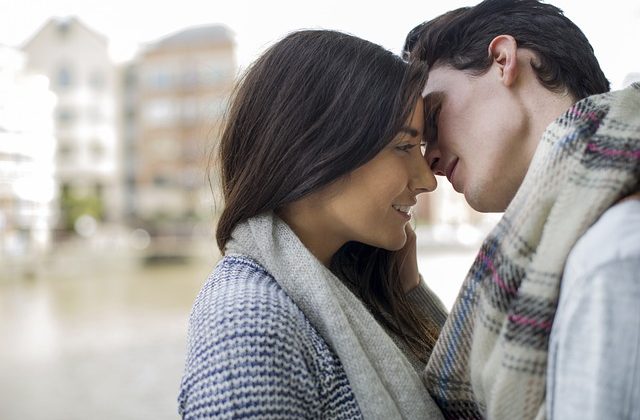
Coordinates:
[426,92]
[437,79]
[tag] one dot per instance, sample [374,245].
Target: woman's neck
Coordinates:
[312,230]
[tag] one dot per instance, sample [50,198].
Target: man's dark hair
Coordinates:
[460,38]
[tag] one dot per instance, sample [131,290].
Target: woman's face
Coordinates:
[373,203]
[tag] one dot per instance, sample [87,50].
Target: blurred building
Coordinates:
[631,78]
[129,132]
[77,62]
[27,150]
[177,91]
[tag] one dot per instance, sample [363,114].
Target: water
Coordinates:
[102,337]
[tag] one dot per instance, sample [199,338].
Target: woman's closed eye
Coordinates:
[405,147]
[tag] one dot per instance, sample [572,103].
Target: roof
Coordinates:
[196,35]
[64,24]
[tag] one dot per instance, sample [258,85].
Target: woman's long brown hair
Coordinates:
[315,106]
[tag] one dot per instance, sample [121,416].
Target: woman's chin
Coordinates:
[394,244]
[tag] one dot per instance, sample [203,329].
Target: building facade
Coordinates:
[77,62]
[180,86]
[27,157]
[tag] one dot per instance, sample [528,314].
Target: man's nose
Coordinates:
[433,157]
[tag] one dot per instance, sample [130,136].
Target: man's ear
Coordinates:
[503,50]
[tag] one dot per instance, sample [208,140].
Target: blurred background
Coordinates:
[108,112]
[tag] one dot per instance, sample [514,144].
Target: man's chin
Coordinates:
[484,203]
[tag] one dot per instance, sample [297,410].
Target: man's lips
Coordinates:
[451,169]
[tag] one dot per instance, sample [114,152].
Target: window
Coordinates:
[63,27]
[159,79]
[161,181]
[65,150]
[64,77]
[65,116]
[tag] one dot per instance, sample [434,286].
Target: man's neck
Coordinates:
[546,107]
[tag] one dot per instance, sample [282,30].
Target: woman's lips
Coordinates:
[403,210]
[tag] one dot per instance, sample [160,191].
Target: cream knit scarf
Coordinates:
[491,358]
[385,384]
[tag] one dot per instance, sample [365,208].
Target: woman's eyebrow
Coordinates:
[432,101]
[410,131]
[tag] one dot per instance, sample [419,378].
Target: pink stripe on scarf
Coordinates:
[613,152]
[496,277]
[523,320]
[590,115]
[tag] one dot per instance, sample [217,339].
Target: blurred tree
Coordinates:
[74,205]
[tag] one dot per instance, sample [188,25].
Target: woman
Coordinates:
[306,316]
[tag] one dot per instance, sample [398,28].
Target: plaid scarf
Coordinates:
[491,358]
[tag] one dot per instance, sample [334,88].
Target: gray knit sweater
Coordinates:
[253,354]
[274,334]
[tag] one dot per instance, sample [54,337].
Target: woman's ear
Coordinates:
[503,51]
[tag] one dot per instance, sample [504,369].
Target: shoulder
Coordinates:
[240,287]
[603,264]
[593,348]
[628,97]
[241,302]
[614,238]
[610,116]
[251,351]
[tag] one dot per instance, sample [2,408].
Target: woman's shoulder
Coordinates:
[249,343]
[241,286]
[242,304]
[239,265]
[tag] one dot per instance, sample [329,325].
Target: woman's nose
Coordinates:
[422,177]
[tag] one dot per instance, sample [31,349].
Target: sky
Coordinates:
[613,27]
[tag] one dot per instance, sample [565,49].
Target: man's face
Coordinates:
[475,130]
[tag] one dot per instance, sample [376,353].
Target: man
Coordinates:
[547,323]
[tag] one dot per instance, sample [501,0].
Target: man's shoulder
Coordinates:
[614,237]
[630,91]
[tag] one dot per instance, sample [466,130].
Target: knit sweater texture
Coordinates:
[274,334]
[384,381]
[252,353]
